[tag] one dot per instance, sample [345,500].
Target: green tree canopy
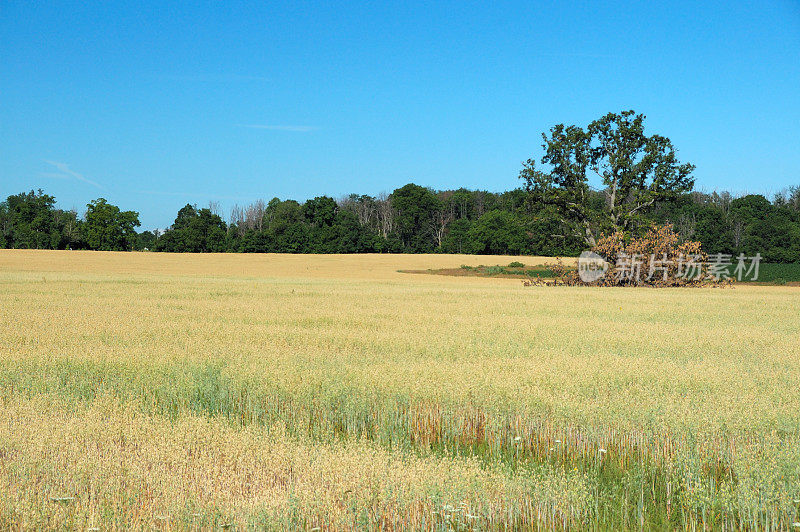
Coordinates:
[30,220]
[195,231]
[107,228]
[415,206]
[637,172]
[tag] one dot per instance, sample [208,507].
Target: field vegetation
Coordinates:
[769,273]
[514,269]
[165,391]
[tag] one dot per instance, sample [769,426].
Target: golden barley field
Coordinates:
[199,392]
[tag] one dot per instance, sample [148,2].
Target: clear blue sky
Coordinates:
[152,105]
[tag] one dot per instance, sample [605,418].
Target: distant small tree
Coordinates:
[31,220]
[194,231]
[415,207]
[457,239]
[145,240]
[107,228]
[498,233]
[320,211]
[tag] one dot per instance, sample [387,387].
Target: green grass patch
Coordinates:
[623,477]
[515,269]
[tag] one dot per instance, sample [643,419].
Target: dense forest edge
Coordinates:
[555,213]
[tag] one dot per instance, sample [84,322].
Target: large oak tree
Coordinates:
[637,172]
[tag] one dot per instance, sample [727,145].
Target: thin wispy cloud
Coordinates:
[299,129]
[65,172]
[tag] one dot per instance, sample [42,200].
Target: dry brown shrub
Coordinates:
[656,259]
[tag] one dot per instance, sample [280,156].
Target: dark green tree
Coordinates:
[320,211]
[145,241]
[286,227]
[195,231]
[458,239]
[30,220]
[498,233]
[751,207]
[415,206]
[107,228]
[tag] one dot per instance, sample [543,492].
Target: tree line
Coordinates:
[556,212]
